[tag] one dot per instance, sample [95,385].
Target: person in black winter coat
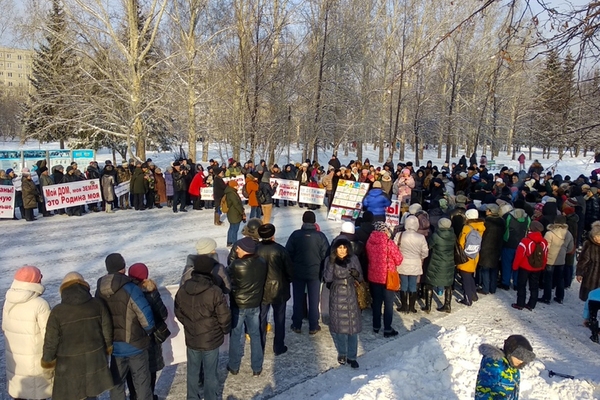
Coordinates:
[179,187]
[277,286]
[308,248]
[139,274]
[79,336]
[248,274]
[202,310]
[489,254]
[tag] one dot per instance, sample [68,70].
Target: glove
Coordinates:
[355,274]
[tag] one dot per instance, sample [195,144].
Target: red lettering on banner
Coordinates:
[10,189]
[64,190]
[50,192]
[93,196]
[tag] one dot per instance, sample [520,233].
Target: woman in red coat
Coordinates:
[383,256]
[194,190]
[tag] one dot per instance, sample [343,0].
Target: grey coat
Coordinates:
[344,312]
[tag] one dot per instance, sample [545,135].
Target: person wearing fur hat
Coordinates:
[248,274]
[206,318]
[236,213]
[489,255]
[588,263]
[249,230]
[277,286]
[308,248]
[383,256]
[376,201]
[499,375]
[527,273]
[79,336]
[440,272]
[207,247]
[467,269]
[138,272]
[133,322]
[342,269]
[24,319]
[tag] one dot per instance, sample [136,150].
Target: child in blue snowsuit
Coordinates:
[499,376]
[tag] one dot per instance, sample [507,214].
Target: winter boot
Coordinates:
[421,290]
[447,300]
[412,299]
[428,299]
[403,302]
[109,208]
[217,219]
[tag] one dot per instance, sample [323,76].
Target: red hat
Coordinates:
[28,274]
[138,271]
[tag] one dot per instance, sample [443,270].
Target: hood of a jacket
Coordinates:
[112,283]
[535,236]
[560,230]
[22,292]
[411,223]
[493,352]
[374,192]
[75,293]
[519,214]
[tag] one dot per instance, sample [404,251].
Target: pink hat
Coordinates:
[25,171]
[405,171]
[138,271]
[28,274]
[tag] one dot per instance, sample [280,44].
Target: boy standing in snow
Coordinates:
[499,376]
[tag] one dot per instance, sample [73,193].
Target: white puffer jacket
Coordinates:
[24,320]
[413,247]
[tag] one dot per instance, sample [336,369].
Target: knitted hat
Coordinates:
[138,271]
[571,202]
[560,219]
[309,217]
[114,263]
[348,227]
[204,264]
[444,223]
[233,183]
[414,208]
[25,172]
[266,231]
[472,214]
[377,185]
[519,347]
[43,169]
[205,245]
[28,274]
[381,226]
[246,244]
[536,226]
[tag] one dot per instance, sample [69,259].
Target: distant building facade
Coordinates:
[15,69]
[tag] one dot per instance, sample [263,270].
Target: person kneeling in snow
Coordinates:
[499,376]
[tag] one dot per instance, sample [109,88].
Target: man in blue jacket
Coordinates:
[132,321]
[308,248]
[377,202]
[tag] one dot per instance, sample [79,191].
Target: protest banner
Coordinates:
[72,194]
[310,195]
[347,202]
[286,189]
[121,189]
[392,214]
[207,193]
[241,181]
[7,201]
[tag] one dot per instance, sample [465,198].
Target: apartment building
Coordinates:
[15,68]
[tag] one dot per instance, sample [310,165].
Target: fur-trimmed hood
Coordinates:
[147,285]
[493,352]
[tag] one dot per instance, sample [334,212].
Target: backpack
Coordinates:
[472,243]
[224,206]
[261,196]
[245,192]
[536,258]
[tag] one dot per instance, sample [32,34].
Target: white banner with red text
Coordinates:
[72,194]
[286,189]
[7,201]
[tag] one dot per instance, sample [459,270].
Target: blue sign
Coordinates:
[35,154]
[83,154]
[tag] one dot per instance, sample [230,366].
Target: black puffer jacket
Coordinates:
[268,191]
[308,248]
[517,223]
[592,211]
[219,186]
[78,337]
[491,242]
[279,272]
[248,275]
[179,182]
[202,310]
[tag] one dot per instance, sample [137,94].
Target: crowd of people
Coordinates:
[464,232]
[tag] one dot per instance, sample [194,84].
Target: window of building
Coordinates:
[20,66]
[20,75]
[8,55]
[10,83]
[9,74]
[19,57]
[8,65]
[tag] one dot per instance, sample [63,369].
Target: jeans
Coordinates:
[140,373]
[255,212]
[568,275]
[249,316]
[346,345]
[489,279]
[534,281]
[382,296]
[313,287]
[508,255]
[232,233]
[179,197]
[550,273]
[197,359]
[408,283]
[278,328]
[468,284]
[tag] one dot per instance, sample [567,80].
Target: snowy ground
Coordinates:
[435,356]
